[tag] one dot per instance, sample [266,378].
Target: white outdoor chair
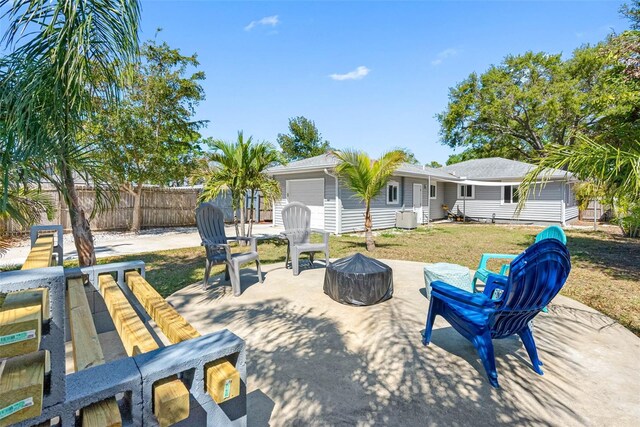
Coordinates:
[296,218]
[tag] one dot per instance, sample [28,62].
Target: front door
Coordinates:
[417,201]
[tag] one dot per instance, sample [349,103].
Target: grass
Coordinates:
[605,274]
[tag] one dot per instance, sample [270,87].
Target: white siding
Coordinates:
[545,205]
[570,213]
[383,215]
[435,208]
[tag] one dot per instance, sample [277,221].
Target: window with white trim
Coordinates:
[392,192]
[466,191]
[433,191]
[510,194]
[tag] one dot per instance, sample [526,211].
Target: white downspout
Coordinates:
[338,230]
[429,201]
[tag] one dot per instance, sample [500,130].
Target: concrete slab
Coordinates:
[124,243]
[312,361]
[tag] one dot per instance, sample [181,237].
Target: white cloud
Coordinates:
[357,74]
[447,53]
[266,21]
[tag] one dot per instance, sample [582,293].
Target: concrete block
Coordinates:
[189,357]
[53,337]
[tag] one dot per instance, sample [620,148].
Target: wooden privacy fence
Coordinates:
[161,207]
[603,212]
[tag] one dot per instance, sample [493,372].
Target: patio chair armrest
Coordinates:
[459,297]
[325,234]
[495,282]
[253,240]
[486,257]
[225,246]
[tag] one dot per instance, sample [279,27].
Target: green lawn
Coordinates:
[605,275]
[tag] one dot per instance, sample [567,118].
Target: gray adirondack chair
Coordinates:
[210,222]
[296,218]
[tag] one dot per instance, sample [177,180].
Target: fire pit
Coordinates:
[358,280]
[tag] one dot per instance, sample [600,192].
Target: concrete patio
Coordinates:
[312,361]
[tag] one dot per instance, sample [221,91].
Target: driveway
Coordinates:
[122,243]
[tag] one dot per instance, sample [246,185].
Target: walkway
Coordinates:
[122,243]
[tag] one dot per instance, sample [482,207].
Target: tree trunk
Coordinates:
[368,224]
[251,215]
[235,206]
[136,222]
[80,227]
[243,220]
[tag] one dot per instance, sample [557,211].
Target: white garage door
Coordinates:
[311,193]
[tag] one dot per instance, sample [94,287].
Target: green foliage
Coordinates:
[62,55]
[150,137]
[366,178]
[517,108]
[303,141]
[613,170]
[585,192]
[410,157]
[434,164]
[632,12]
[239,168]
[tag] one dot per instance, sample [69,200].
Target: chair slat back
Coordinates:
[535,278]
[552,232]
[296,218]
[210,223]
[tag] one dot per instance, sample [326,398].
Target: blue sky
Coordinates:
[371,74]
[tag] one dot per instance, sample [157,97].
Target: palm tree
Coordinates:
[62,55]
[367,178]
[263,155]
[613,170]
[239,167]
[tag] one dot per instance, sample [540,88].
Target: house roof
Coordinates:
[329,161]
[495,168]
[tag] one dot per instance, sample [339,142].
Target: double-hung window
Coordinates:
[433,191]
[392,192]
[466,191]
[510,194]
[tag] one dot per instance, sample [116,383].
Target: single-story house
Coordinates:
[481,189]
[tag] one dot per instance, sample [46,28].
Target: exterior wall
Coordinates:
[383,214]
[435,211]
[329,198]
[543,205]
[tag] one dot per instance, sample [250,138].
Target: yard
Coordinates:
[605,275]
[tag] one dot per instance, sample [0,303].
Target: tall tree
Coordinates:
[367,177]
[434,164]
[61,55]
[608,158]
[516,108]
[303,141]
[150,137]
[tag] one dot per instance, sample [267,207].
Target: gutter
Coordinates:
[338,203]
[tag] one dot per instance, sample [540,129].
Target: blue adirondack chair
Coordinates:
[482,272]
[507,304]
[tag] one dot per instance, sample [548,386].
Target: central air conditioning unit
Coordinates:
[407,220]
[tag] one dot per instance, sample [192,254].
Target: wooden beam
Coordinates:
[173,325]
[87,353]
[41,253]
[21,322]
[170,396]
[222,379]
[21,387]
